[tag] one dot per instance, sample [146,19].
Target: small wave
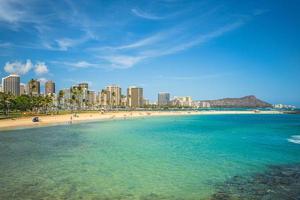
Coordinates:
[294,139]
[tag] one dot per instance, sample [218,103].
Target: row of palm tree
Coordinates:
[24,103]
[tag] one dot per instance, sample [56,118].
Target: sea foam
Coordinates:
[294,139]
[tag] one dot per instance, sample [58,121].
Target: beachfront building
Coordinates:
[163,99]
[22,89]
[182,101]
[79,96]
[11,84]
[200,104]
[64,97]
[103,98]
[123,101]
[34,87]
[114,92]
[91,98]
[146,102]
[135,97]
[49,87]
[84,85]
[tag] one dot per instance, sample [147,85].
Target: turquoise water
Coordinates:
[151,158]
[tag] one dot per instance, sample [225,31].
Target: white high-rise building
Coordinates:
[182,101]
[11,84]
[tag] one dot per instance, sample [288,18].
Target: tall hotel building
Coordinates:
[11,84]
[84,85]
[34,88]
[49,87]
[163,99]
[114,92]
[22,88]
[135,97]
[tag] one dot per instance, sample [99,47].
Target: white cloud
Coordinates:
[65,43]
[5,44]
[123,61]
[40,68]
[78,64]
[163,44]
[42,80]
[144,42]
[21,68]
[200,39]
[145,15]
[9,13]
[18,67]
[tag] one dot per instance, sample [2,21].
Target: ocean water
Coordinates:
[180,157]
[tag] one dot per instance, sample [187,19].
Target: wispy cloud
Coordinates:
[77,64]
[66,43]
[145,15]
[67,28]
[122,61]
[161,45]
[202,77]
[5,44]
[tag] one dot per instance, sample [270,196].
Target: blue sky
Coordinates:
[206,49]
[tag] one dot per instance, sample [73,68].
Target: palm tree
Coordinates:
[113,94]
[6,100]
[77,93]
[46,102]
[60,96]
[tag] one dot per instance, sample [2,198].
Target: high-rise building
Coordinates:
[11,84]
[22,88]
[104,98]
[1,90]
[84,85]
[146,102]
[114,95]
[64,97]
[123,101]
[91,97]
[135,97]
[49,87]
[34,88]
[182,101]
[163,99]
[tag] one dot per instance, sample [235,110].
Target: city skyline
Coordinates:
[207,50]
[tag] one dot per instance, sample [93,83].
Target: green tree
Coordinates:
[23,103]
[60,96]
[6,102]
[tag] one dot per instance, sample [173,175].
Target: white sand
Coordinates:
[66,119]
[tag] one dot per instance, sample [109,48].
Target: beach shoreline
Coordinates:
[64,119]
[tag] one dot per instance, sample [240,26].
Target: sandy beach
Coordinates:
[26,122]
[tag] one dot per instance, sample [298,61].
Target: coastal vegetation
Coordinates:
[15,105]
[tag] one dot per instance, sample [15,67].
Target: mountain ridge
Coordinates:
[249,101]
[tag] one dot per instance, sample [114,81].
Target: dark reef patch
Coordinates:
[277,183]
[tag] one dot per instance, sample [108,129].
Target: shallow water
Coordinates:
[179,157]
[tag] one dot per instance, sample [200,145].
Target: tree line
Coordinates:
[24,103]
